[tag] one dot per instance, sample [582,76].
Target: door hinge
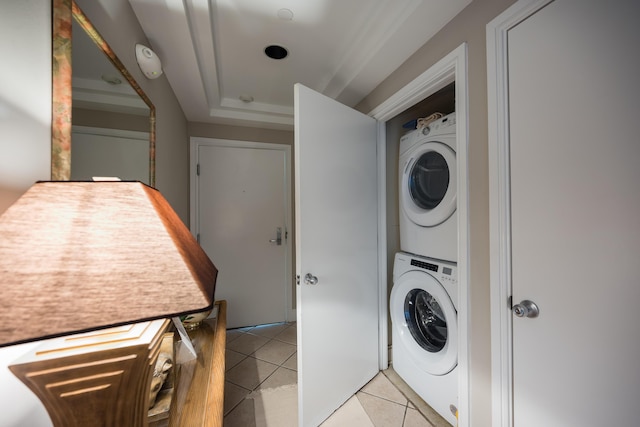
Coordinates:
[198,237]
[198,169]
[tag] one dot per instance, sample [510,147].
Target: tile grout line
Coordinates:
[383,398]
[281,365]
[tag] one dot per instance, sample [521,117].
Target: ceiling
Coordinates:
[212,51]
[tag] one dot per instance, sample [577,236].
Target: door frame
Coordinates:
[452,67]
[499,207]
[194,224]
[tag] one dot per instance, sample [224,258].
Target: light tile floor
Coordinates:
[264,357]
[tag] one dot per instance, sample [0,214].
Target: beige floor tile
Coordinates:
[276,407]
[233,334]
[413,418]
[250,373]
[247,343]
[232,358]
[351,414]
[380,386]
[269,331]
[233,395]
[292,362]
[242,415]
[289,335]
[275,352]
[382,413]
[432,416]
[281,376]
[252,359]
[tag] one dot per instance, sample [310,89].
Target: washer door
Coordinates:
[428,185]
[425,320]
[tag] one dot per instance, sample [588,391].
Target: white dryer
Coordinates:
[428,190]
[423,309]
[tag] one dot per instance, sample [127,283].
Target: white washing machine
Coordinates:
[428,190]
[423,308]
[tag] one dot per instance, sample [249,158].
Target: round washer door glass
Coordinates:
[429,180]
[425,320]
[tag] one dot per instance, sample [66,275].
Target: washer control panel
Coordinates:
[444,271]
[424,264]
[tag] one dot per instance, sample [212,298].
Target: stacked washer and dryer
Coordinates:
[424,297]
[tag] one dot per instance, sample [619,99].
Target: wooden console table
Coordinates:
[199,398]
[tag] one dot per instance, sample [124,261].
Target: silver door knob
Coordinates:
[310,279]
[526,308]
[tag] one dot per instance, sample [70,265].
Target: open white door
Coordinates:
[336,247]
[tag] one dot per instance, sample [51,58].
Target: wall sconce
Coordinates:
[148,62]
[83,256]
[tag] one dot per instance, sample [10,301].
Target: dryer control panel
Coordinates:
[441,126]
[444,127]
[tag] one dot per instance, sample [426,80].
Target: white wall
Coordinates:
[19,407]
[25,96]
[25,154]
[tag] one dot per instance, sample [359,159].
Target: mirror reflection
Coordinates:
[103,124]
[110,122]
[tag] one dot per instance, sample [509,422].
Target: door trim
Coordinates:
[499,207]
[194,224]
[452,67]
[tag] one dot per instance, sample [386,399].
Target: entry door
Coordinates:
[242,206]
[573,111]
[336,253]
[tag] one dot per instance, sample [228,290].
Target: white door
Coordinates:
[109,152]
[573,110]
[242,220]
[336,242]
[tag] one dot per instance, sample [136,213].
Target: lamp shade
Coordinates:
[78,256]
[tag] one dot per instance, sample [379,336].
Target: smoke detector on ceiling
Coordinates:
[148,61]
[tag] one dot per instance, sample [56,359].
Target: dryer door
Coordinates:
[425,319]
[428,184]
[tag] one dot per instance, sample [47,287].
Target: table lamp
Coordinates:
[77,257]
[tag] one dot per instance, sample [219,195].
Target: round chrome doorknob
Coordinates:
[310,279]
[526,308]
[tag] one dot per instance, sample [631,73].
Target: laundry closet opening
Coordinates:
[443,101]
[422,238]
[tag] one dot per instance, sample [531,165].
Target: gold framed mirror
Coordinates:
[67,15]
